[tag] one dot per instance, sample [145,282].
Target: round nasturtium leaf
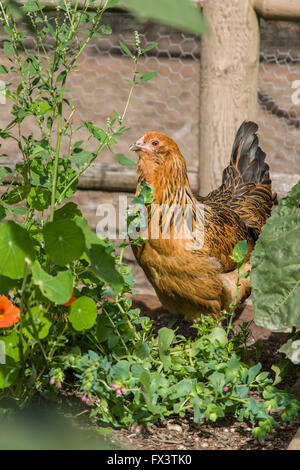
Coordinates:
[64,241]
[10,359]
[57,288]
[41,321]
[39,198]
[83,313]
[6,283]
[15,247]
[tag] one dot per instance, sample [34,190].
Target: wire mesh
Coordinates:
[278,95]
[170,103]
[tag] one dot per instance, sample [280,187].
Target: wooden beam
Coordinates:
[113,178]
[107,177]
[228,85]
[285,10]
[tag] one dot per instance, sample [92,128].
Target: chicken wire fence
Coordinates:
[170,102]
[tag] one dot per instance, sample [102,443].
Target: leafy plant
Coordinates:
[183,14]
[139,378]
[54,270]
[275,274]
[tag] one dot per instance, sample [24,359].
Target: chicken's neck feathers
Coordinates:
[171,183]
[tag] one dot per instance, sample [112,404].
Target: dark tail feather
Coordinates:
[247,163]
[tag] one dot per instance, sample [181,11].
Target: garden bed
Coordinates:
[183,434]
[225,433]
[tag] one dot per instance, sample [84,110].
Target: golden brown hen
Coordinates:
[187,255]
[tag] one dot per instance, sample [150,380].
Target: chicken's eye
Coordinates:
[155,142]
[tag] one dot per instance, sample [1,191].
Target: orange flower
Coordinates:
[9,314]
[71,299]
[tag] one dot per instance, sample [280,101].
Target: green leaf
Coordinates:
[252,405]
[151,46]
[165,338]
[291,349]
[95,131]
[219,335]
[275,273]
[83,313]
[147,76]
[103,265]
[213,412]
[81,157]
[239,251]
[64,241]
[57,288]
[105,29]
[67,211]
[90,237]
[181,14]
[233,365]
[252,372]
[8,48]
[124,160]
[3,69]
[217,380]
[31,6]
[61,76]
[10,370]
[6,283]
[126,50]
[15,247]
[145,380]
[181,389]
[19,210]
[241,391]
[41,321]
[18,194]
[3,212]
[142,350]
[3,173]
[41,107]
[111,3]
[39,198]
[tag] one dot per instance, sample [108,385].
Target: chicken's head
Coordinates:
[155,145]
[159,158]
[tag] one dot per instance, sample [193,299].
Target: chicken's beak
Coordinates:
[135,147]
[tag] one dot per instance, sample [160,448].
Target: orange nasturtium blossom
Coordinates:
[9,313]
[71,299]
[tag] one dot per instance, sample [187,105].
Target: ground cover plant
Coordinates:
[66,318]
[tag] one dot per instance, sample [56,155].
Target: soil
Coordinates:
[184,434]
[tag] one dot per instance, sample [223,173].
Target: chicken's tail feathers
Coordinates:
[247,162]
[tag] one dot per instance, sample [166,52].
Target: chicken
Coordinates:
[187,256]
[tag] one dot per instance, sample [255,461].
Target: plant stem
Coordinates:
[116,330]
[36,333]
[57,150]
[22,305]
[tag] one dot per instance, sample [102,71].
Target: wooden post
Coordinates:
[228,83]
[287,10]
